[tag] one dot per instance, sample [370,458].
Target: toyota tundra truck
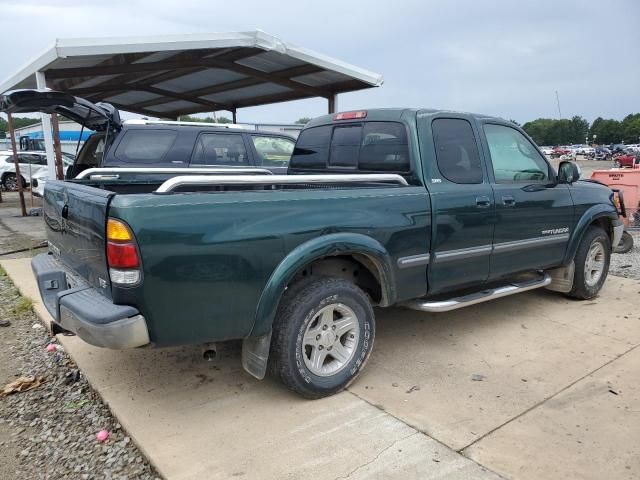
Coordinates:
[425,209]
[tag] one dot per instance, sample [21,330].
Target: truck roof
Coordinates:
[374,114]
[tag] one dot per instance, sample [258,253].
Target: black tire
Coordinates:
[298,310]
[9,182]
[581,288]
[625,245]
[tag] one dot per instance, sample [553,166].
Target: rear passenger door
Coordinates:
[220,149]
[462,203]
[534,213]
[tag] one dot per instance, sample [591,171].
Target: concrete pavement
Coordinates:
[519,387]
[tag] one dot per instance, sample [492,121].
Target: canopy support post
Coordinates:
[234,116]
[41,84]
[12,134]
[56,146]
[333,103]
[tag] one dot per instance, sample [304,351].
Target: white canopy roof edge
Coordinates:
[70,47]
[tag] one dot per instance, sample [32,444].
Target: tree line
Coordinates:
[18,122]
[544,131]
[548,131]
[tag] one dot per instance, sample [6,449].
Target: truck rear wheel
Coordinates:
[591,264]
[322,336]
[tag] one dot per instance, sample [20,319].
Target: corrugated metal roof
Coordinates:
[182,74]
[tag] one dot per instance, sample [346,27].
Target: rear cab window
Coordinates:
[374,146]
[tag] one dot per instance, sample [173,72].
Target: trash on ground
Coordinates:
[22,384]
[478,377]
[5,323]
[37,326]
[413,388]
[102,435]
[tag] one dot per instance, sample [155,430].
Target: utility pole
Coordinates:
[558,102]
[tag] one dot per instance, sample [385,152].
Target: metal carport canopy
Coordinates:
[169,76]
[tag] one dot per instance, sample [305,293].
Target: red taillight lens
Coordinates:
[122,255]
[350,115]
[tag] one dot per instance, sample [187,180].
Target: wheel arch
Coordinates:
[337,255]
[601,216]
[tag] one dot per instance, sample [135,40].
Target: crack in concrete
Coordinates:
[546,399]
[421,432]
[369,462]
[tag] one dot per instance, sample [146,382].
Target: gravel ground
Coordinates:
[50,432]
[627,264]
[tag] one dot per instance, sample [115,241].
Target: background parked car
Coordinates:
[547,150]
[31,164]
[39,179]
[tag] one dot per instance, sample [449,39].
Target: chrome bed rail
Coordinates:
[113,173]
[213,180]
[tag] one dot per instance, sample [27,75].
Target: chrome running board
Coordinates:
[426,305]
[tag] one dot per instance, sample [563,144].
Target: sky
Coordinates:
[503,58]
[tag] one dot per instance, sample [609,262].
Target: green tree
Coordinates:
[631,128]
[190,118]
[579,129]
[18,122]
[606,130]
[303,120]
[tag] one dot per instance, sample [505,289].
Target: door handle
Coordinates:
[483,201]
[508,200]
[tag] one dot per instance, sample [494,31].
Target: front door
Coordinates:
[534,214]
[462,203]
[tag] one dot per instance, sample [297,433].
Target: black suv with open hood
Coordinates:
[145,143]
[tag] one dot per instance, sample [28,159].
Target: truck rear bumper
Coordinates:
[77,307]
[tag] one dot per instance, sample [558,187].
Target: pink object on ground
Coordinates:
[102,435]
[51,348]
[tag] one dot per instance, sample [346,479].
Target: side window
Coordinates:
[384,147]
[273,151]
[220,149]
[456,150]
[345,146]
[145,146]
[30,158]
[513,156]
[312,148]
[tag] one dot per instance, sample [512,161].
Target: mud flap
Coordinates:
[255,354]
[561,278]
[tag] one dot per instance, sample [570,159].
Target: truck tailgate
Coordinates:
[75,218]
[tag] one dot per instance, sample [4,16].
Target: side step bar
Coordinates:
[426,305]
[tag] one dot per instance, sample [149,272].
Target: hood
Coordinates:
[94,116]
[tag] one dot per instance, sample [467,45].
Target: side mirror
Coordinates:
[568,172]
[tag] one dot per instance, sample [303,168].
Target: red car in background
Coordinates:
[625,160]
[560,150]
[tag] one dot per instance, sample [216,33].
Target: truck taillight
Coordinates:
[122,254]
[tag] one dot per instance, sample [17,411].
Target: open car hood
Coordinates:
[95,116]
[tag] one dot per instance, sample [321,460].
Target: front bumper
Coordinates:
[78,308]
[618,228]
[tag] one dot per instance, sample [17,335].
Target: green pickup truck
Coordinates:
[426,209]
